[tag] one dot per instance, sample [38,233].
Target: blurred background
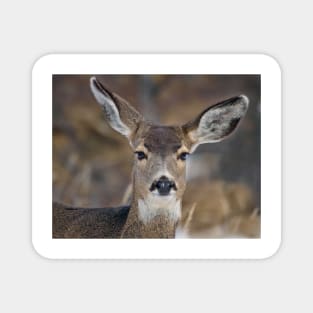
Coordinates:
[92,163]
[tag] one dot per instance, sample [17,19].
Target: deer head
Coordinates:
[160,152]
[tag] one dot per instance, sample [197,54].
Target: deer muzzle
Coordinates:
[163,185]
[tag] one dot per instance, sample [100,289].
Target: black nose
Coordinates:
[163,185]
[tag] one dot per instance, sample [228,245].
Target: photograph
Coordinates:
[156,156]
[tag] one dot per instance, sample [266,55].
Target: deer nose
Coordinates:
[163,185]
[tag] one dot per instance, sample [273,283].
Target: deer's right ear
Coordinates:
[121,116]
[217,122]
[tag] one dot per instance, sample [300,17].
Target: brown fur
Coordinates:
[159,227]
[69,222]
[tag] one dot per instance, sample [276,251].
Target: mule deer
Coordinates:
[158,172]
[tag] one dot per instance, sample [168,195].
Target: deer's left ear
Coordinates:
[217,122]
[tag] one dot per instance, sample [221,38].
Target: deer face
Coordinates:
[161,151]
[160,160]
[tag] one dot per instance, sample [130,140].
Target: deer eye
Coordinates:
[183,156]
[141,155]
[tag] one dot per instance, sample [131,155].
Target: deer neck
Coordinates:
[152,217]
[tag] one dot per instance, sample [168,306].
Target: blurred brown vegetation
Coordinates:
[92,163]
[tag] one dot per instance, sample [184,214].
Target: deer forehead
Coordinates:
[162,139]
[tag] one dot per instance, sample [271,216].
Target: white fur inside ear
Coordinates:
[109,108]
[217,122]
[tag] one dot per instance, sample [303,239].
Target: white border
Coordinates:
[42,73]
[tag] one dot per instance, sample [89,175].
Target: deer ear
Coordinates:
[121,116]
[217,122]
